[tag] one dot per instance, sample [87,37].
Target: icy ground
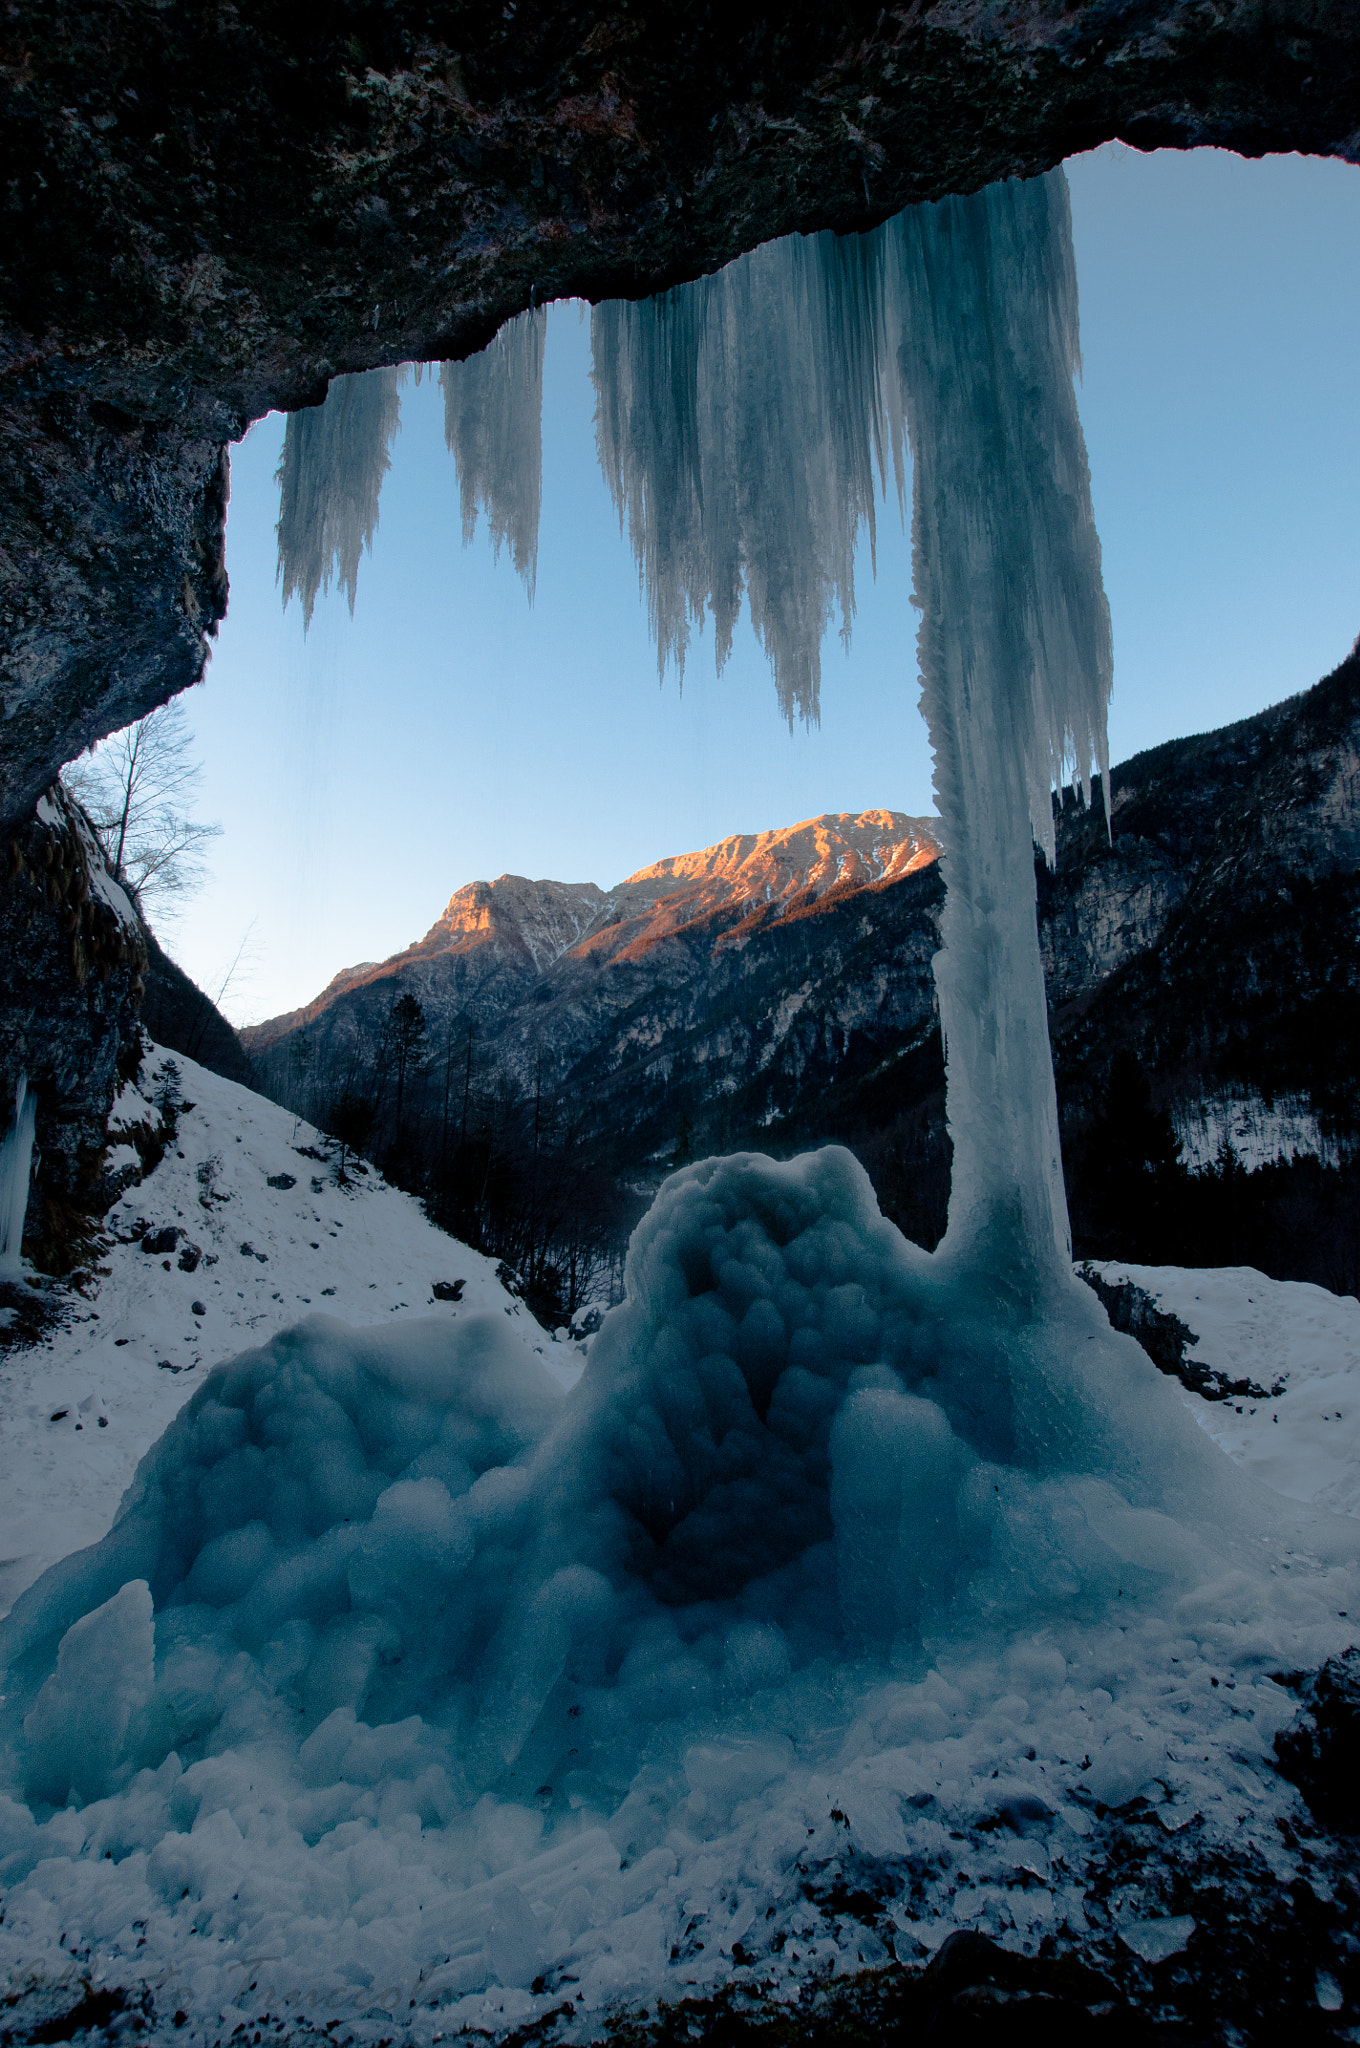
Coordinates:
[78,1411]
[797,1826]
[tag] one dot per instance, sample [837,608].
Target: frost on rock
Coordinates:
[335,457]
[493,424]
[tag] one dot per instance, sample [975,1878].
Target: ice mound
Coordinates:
[420,1676]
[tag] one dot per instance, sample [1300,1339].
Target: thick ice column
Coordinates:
[16,1160]
[1015,663]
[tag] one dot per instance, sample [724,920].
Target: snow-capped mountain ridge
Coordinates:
[495,934]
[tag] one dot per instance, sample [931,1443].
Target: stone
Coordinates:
[1320,1750]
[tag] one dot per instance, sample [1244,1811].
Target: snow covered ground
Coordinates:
[1285,1333]
[78,1411]
[731,1839]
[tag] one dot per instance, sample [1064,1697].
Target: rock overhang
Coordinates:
[210,213]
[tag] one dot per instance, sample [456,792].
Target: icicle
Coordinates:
[16,1160]
[335,457]
[493,408]
[739,421]
[1015,662]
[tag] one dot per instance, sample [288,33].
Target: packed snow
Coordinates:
[79,1412]
[1304,1440]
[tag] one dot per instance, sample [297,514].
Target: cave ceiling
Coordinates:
[211,209]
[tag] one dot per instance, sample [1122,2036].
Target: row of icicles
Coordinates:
[745,423]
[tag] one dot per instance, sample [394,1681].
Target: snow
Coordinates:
[134,1353]
[1305,1443]
[1259,1132]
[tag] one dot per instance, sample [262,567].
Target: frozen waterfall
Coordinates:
[743,425]
[1015,661]
[742,434]
[16,1159]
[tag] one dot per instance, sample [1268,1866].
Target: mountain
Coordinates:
[775,991]
[500,943]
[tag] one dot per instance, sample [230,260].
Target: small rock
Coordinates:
[1154,1940]
[157,1241]
[189,1258]
[280,1180]
[1320,1750]
[247,1251]
[448,1290]
[198,1308]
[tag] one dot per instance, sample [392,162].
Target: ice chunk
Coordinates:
[76,1731]
[16,1160]
[1155,1940]
[1120,1769]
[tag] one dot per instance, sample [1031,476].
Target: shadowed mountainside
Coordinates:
[775,991]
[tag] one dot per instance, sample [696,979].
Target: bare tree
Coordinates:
[136,788]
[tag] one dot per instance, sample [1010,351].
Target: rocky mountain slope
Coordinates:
[776,990]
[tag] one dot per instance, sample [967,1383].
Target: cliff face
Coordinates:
[1245,982]
[210,212]
[72,965]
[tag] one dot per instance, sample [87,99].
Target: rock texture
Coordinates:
[72,962]
[209,211]
[81,977]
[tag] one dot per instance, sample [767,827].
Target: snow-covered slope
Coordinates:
[251,1191]
[1304,1441]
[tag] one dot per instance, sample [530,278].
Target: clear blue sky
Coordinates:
[449,731]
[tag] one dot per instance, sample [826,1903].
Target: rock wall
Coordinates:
[72,962]
[210,211]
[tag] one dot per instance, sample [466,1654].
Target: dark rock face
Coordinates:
[209,212]
[1320,1751]
[72,960]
